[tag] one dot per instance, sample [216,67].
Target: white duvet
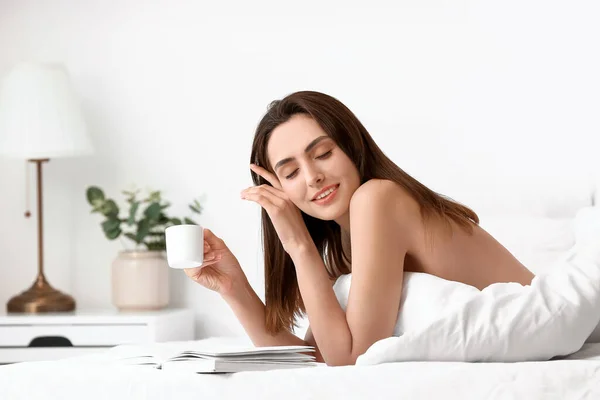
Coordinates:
[441,320]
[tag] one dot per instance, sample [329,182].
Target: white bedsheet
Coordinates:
[88,377]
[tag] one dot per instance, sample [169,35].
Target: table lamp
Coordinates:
[40,119]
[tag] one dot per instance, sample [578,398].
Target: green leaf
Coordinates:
[153,211]
[131,195]
[189,221]
[153,197]
[95,195]
[113,234]
[131,236]
[163,219]
[158,245]
[142,230]
[175,221]
[195,209]
[132,211]
[112,228]
[156,234]
[110,209]
[111,224]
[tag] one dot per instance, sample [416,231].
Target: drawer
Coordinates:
[78,335]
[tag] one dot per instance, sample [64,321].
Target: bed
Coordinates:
[536,224]
[87,377]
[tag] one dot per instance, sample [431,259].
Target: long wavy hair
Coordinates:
[282,294]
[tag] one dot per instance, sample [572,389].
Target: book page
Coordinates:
[224,349]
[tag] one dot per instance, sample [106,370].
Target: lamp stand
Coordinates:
[40,297]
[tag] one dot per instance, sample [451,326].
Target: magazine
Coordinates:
[222,359]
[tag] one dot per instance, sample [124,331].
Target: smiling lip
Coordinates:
[326,188]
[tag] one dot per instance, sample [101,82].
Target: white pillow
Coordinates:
[587,225]
[425,298]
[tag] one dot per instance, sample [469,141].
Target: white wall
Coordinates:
[468,96]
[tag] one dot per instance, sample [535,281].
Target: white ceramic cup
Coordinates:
[185,246]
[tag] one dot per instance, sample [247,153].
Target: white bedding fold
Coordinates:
[554,316]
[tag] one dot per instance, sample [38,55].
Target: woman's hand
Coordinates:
[220,270]
[284,214]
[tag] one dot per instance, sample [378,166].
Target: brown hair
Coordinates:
[282,294]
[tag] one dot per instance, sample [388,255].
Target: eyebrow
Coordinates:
[308,148]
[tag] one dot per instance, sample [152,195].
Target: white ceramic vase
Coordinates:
[140,280]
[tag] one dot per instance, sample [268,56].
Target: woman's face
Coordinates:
[316,175]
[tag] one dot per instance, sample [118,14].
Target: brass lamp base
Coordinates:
[41,298]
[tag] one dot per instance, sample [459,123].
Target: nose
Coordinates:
[314,177]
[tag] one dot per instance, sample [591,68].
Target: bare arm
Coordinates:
[310,339]
[250,311]
[379,245]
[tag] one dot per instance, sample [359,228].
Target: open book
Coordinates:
[223,359]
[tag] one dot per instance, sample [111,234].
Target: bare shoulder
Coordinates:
[385,196]
[385,202]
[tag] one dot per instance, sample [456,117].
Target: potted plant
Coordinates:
[139,275]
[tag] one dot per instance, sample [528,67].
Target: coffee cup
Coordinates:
[185,246]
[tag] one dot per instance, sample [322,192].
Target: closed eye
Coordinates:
[324,155]
[290,176]
[321,157]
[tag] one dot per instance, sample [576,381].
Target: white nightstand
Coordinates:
[27,337]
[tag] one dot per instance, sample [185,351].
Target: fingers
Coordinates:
[272,179]
[209,236]
[209,253]
[213,241]
[264,199]
[266,188]
[212,253]
[212,259]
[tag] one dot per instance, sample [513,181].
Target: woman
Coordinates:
[332,204]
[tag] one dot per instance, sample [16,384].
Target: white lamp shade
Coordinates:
[40,115]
